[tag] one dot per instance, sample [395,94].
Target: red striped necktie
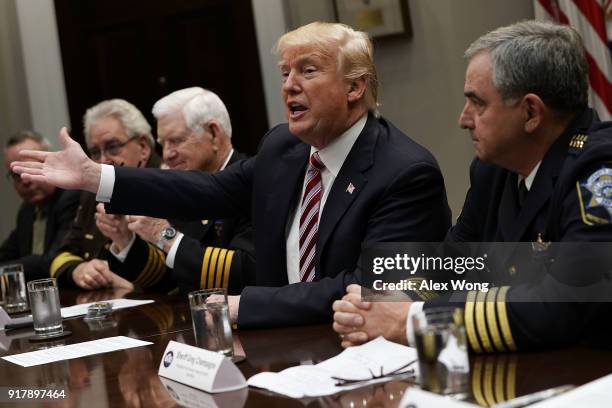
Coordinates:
[309,217]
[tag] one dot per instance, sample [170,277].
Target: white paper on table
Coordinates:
[595,394]
[78,310]
[354,363]
[417,398]
[76,350]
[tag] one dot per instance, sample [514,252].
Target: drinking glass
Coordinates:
[210,317]
[442,351]
[12,283]
[46,308]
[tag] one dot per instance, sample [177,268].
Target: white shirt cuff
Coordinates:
[172,252]
[415,308]
[121,255]
[107,183]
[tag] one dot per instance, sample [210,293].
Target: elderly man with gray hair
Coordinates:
[118,134]
[543,173]
[194,130]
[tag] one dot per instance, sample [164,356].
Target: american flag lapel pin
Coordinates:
[350,188]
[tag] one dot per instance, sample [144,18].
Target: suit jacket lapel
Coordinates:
[539,194]
[348,184]
[543,185]
[289,177]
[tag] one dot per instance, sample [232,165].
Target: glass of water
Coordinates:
[46,308]
[210,317]
[12,282]
[442,350]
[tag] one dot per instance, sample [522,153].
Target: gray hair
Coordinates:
[198,105]
[130,117]
[536,57]
[24,135]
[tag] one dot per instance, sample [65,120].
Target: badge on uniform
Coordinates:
[595,197]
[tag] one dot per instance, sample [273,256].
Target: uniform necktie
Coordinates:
[522,192]
[309,217]
[38,233]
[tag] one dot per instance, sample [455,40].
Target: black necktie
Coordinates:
[522,192]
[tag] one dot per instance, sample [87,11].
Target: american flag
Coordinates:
[593,20]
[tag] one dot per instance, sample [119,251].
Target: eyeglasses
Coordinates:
[112,148]
[401,370]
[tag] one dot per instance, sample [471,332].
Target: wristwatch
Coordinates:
[164,236]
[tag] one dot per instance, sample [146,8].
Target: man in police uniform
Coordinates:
[542,173]
[194,130]
[116,132]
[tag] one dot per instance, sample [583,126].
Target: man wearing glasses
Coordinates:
[44,216]
[116,133]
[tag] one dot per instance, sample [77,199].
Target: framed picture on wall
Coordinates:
[379,18]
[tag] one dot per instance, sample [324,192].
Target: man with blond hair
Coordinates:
[335,177]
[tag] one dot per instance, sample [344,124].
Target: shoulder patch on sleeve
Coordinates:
[595,196]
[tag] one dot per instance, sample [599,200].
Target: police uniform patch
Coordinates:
[595,197]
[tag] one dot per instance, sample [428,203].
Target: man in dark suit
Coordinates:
[542,174]
[43,218]
[336,176]
[194,130]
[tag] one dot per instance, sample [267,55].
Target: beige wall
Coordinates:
[422,77]
[32,90]
[14,110]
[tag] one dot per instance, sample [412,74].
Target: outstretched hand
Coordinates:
[69,168]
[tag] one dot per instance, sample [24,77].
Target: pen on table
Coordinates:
[534,397]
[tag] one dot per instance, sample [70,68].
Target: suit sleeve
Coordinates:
[145,267]
[195,195]
[205,267]
[412,208]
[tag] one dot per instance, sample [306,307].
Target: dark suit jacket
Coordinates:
[399,195]
[17,247]
[557,209]
[212,253]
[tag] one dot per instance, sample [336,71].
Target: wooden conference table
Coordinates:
[129,378]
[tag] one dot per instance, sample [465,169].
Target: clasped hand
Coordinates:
[358,321]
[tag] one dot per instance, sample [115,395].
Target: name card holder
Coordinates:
[200,369]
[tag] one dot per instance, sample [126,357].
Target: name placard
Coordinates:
[199,368]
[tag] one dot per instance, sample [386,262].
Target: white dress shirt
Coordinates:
[333,157]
